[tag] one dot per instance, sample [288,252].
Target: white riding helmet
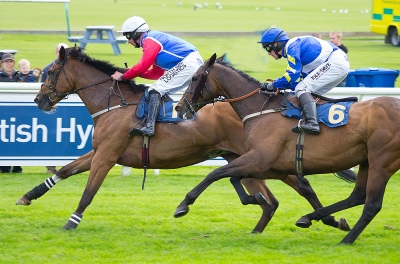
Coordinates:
[134,23]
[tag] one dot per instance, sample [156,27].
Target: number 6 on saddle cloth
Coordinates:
[331,112]
[167,113]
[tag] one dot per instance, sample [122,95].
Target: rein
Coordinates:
[53,83]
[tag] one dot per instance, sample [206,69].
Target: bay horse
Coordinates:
[370,139]
[216,131]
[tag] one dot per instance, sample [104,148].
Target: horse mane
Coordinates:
[203,77]
[103,66]
[245,75]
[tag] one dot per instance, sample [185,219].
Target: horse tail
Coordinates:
[346,175]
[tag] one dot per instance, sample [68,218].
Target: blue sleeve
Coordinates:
[293,70]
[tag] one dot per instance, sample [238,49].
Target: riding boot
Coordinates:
[310,124]
[154,107]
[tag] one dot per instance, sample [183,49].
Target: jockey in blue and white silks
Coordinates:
[314,66]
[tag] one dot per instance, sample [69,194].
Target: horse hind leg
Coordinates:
[357,197]
[373,205]
[303,187]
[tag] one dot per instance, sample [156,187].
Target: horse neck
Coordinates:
[103,95]
[233,86]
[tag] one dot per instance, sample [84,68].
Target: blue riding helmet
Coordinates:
[271,36]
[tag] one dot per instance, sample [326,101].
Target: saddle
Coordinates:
[327,108]
[319,100]
[167,113]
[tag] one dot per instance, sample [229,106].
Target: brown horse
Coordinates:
[216,131]
[370,139]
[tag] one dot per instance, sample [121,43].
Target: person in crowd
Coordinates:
[52,169]
[46,69]
[25,72]
[9,74]
[168,59]
[314,66]
[336,38]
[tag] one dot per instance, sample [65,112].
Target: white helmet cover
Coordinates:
[135,23]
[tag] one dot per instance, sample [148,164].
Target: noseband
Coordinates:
[54,80]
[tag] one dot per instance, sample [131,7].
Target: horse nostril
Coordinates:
[177,108]
[36,100]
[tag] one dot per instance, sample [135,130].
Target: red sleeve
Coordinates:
[154,73]
[150,52]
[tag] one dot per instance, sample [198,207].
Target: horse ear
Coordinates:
[222,58]
[61,53]
[212,59]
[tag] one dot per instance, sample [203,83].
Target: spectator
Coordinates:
[46,69]
[9,74]
[25,72]
[168,59]
[336,37]
[52,169]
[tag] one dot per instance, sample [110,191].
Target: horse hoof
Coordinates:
[23,201]
[344,225]
[303,222]
[261,199]
[181,212]
[70,226]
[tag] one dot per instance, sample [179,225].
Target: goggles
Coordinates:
[128,35]
[268,47]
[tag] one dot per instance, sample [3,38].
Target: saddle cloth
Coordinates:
[331,112]
[167,113]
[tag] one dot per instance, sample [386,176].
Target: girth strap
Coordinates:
[299,155]
[145,157]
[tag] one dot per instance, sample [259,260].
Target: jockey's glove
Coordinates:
[268,86]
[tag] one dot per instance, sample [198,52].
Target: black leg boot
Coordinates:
[154,107]
[310,124]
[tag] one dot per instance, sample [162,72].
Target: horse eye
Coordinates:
[194,78]
[49,73]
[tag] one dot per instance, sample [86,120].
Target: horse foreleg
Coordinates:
[96,177]
[79,165]
[269,204]
[303,187]
[236,168]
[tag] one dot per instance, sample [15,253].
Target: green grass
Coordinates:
[127,225]
[236,15]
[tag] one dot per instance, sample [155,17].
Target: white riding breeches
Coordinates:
[326,76]
[179,76]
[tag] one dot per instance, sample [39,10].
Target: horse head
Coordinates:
[74,71]
[200,91]
[216,81]
[48,95]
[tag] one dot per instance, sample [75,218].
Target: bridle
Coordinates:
[192,105]
[54,80]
